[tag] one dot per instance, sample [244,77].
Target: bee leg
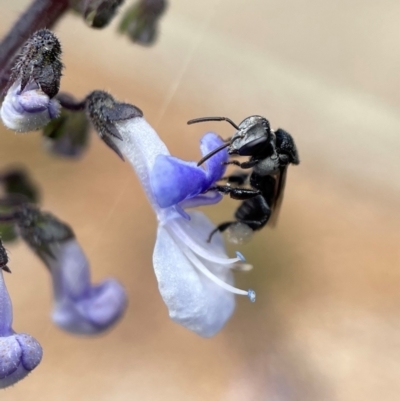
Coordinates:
[255,213]
[221,228]
[248,164]
[236,193]
[236,178]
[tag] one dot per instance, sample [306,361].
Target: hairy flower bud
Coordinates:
[99,13]
[34,81]
[17,187]
[40,62]
[68,134]
[140,21]
[16,181]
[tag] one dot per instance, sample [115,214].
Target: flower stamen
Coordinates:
[202,252]
[199,266]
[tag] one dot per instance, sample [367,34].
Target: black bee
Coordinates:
[3,259]
[40,62]
[270,153]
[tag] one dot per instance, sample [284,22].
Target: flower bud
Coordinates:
[99,13]
[16,181]
[18,187]
[68,134]
[140,21]
[34,81]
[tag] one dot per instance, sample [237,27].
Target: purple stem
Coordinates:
[40,14]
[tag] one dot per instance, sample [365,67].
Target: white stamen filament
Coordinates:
[197,263]
[185,238]
[200,266]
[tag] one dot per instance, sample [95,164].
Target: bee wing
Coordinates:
[280,183]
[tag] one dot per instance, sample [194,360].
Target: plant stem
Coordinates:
[40,14]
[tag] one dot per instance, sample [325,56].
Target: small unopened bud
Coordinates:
[17,188]
[99,13]
[16,181]
[34,81]
[41,230]
[67,135]
[39,62]
[140,21]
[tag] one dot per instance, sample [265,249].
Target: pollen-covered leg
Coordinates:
[239,232]
[221,228]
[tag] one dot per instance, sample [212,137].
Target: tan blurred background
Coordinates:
[326,324]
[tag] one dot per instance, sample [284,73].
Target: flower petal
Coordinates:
[141,145]
[19,353]
[208,198]
[214,165]
[173,180]
[28,110]
[95,313]
[6,315]
[33,101]
[198,230]
[80,307]
[192,299]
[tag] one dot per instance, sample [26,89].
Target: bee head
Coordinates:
[252,137]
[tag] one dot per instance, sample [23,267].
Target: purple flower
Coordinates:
[174,180]
[19,353]
[80,307]
[194,277]
[27,110]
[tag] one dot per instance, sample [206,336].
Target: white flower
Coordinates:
[194,277]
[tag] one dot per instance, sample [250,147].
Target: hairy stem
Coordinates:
[40,14]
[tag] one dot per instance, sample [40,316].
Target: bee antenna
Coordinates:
[212,153]
[202,119]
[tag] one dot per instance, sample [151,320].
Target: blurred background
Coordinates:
[326,324]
